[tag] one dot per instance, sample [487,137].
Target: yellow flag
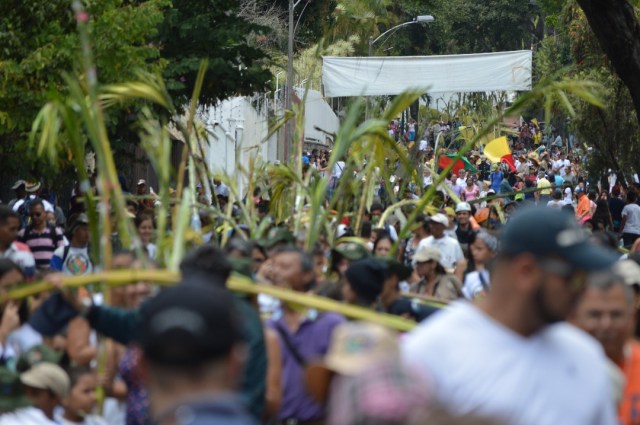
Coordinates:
[498,150]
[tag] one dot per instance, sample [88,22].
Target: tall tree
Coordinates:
[615,24]
[39,44]
[194,30]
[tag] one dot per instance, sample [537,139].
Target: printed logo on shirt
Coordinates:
[77,264]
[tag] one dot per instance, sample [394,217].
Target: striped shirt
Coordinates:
[42,245]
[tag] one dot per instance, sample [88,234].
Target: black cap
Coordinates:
[188,325]
[366,278]
[546,232]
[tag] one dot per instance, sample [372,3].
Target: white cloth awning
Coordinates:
[375,76]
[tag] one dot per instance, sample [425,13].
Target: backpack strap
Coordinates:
[65,253]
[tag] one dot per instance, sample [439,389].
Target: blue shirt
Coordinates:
[496,179]
[225,409]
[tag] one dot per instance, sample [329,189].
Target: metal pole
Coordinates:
[289,126]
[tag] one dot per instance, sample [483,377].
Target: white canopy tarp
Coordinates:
[375,76]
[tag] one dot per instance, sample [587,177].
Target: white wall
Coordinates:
[241,130]
[318,113]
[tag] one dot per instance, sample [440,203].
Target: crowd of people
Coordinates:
[524,303]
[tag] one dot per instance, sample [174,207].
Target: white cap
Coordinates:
[341,230]
[441,219]
[142,181]
[462,207]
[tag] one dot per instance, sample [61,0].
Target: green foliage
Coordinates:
[483,26]
[194,30]
[40,43]
[612,129]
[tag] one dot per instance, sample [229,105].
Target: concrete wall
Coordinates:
[241,126]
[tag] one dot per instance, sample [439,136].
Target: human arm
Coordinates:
[461,267]
[273,393]
[255,373]
[79,347]
[9,323]
[622,223]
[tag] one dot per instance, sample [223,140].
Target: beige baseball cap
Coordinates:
[427,253]
[47,376]
[355,347]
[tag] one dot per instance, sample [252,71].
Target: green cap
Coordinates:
[241,266]
[277,235]
[352,251]
[11,391]
[38,354]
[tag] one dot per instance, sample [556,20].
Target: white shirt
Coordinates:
[337,170]
[222,190]
[46,205]
[423,145]
[568,197]
[88,420]
[557,376]
[26,416]
[632,213]
[449,249]
[556,203]
[22,340]
[475,283]
[77,263]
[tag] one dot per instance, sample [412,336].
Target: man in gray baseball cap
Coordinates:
[487,349]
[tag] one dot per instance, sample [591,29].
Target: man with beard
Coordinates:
[511,356]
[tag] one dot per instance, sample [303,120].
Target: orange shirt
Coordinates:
[584,205]
[629,411]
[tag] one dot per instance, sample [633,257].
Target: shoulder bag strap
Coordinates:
[290,345]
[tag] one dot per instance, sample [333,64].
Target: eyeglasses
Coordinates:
[576,278]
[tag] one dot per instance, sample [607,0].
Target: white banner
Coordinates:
[374,76]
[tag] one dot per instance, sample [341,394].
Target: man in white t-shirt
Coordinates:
[511,356]
[449,247]
[74,259]
[630,224]
[423,145]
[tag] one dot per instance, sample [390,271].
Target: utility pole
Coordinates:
[288,134]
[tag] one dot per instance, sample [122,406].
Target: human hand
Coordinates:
[10,320]
[56,279]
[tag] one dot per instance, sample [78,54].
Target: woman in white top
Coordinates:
[145,225]
[482,250]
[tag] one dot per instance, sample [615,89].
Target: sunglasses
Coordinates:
[576,278]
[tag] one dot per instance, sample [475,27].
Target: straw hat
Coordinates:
[354,348]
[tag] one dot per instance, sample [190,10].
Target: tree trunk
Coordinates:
[615,25]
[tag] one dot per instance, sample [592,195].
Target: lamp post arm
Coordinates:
[372,42]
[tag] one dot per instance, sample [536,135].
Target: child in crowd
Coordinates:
[80,402]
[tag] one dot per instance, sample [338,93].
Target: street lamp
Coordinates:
[422,19]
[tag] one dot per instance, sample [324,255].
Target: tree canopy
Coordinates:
[193,30]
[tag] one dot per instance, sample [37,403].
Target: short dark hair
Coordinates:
[631,196]
[206,261]
[144,216]
[6,213]
[238,244]
[35,202]
[77,372]
[382,236]
[7,265]
[306,261]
